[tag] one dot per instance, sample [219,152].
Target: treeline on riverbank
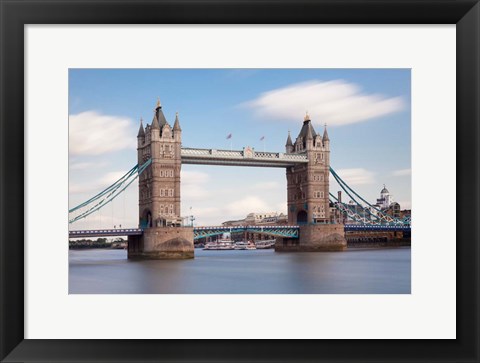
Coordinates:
[98,243]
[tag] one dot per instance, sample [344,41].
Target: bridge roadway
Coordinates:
[106,232]
[246,157]
[377,227]
[202,232]
[199,232]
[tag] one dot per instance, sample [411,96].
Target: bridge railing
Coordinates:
[239,154]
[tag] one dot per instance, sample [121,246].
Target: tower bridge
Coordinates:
[160,234]
[246,157]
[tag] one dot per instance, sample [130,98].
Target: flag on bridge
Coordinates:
[262,138]
[229,136]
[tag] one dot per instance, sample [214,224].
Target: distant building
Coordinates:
[270,218]
[393,210]
[385,204]
[385,199]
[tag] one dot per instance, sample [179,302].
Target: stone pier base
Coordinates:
[162,243]
[315,238]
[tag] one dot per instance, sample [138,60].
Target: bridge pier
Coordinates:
[315,238]
[162,243]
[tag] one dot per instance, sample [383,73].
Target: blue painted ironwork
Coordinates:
[371,214]
[368,215]
[277,231]
[107,195]
[202,232]
[105,232]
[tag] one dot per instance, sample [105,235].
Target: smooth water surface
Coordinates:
[356,271]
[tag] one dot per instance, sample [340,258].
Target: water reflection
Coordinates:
[375,271]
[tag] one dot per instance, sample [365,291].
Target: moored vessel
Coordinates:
[221,244]
[262,245]
[240,245]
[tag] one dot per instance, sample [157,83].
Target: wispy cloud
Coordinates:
[85,165]
[358,176]
[237,209]
[240,208]
[194,185]
[269,185]
[97,184]
[335,102]
[91,133]
[402,172]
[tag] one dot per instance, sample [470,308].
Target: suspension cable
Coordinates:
[113,191]
[340,182]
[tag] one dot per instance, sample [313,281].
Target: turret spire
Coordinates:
[176,125]
[155,124]
[309,130]
[161,120]
[289,140]
[141,131]
[325,134]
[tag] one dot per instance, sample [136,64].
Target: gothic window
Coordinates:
[171,208]
[161,209]
[171,173]
[161,173]
[161,192]
[170,192]
[321,194]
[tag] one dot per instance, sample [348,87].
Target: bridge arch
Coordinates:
[146,219]
[302,217]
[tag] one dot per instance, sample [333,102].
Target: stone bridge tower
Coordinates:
[307,184]
[308,195]
[159,184]
[159,192]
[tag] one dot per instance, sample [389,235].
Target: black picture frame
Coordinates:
[15,14]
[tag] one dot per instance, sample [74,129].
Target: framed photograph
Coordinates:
[239,181]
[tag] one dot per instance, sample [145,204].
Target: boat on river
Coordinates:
[241,245]
[221,244]
[266,244]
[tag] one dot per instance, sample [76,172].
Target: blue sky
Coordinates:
[367,112]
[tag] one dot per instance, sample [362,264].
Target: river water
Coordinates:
[355,271]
